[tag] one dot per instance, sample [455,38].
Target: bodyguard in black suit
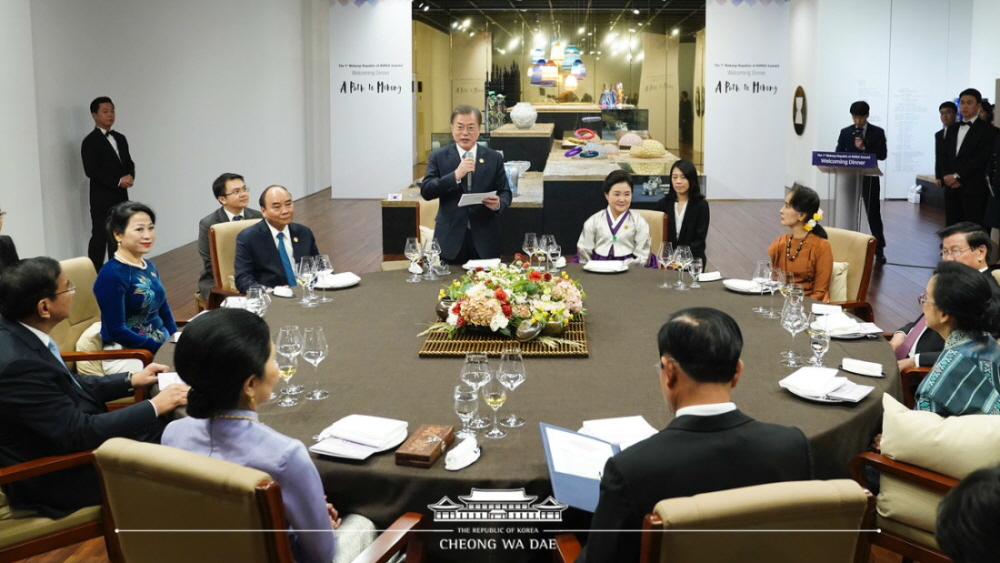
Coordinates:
[968,147]
[709,446]
[45,409]
[949,113]
[258,259]
[864,137]
[233,196]
[109,166]
[472,231]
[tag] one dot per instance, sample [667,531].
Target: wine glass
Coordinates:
[434,249]
[793,319]
[665,256]
[696,267]
[305,273]
[412,252]
[255,301]
[476,372]
[775,280]
[314,350]
[323,268]
[529,244]
[289,344]
[431,258]
[555,252]
[761,274]
[545,245]
[511,374]
[495,394]
[287,366]
[819,338]
[466,407]
[683,258]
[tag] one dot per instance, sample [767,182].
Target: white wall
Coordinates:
[20,191]
[804,27]
[200,87]
[984,64]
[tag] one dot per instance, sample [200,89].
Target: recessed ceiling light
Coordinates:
[636,12]
[675,31]
[427,8]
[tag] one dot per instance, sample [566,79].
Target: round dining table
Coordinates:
[373,368]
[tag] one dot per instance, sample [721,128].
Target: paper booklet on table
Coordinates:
[623,430]
[576,463]
[358,436]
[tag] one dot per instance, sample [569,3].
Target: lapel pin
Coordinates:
[295,239]
[481,161]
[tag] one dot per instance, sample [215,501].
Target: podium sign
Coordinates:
[849,170]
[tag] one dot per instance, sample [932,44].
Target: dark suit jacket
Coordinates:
[694,231]
[105,168]
[43,413]
[451,220]
[970,163]
[693,455]
[939,154]
[874,141]
[206,280]
[257,260]
[8,253]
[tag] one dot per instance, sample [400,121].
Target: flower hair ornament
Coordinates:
[811,224]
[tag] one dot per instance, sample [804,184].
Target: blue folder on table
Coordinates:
[572,489]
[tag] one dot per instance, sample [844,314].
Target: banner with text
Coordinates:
[747,98]
[371,98]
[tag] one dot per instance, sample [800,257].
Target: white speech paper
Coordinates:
[475,198]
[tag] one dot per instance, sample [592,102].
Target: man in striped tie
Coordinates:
[233,196]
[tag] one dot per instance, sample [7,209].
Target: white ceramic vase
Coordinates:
[524,115]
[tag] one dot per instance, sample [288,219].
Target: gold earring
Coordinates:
[253,402]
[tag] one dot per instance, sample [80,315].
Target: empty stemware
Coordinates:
[466,407]
[412,252]
[666,256]
[682,259]
[529,244]
[314,351]
[545,246]
[323,268]
[819,338]
[775,280]
[695,269]
[793,319]
[476,372]
[511,375]
[305,273]
[761,274]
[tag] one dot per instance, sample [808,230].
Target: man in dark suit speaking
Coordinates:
[109,166]
[709,446]
[45,409]
[865,137]
[233,196]
[472,231]
[968,147]
[267,253]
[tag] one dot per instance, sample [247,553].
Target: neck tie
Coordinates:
[911,339]
[964,123]
[108,134]
[237,217]
[55,352]
[285,262]
[468,184]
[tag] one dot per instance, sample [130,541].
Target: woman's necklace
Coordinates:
[788,248]
[120,256]
[235,417]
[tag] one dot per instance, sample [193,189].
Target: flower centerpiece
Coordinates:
[507,297]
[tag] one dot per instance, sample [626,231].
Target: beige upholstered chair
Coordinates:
[923,456]
[222,248]
[657,227]
[796,505]
[858,250]
[148,486]
[26,533]
[426,213]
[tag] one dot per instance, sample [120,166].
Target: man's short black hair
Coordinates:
[975,236]
[219,185]
[263,194]
[860,109]
[26,282]
[948,105]
[972,92]
[966,528]
[96,104]
[705,342]
[466,110]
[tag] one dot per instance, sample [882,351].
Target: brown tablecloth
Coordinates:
[373,368]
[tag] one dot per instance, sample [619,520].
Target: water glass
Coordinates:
[775,280]
[476,372]
[434,249]
[412,252]
[511,375]
[761,273]
[545,245]
[529,244]
[819,338]
[682,258]
[696,267]
[255,301]
[793,319]
[305,274]
[314,351]
[466,407]
[323,268]
[666,256]
[555,253]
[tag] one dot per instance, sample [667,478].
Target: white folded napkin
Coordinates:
[560,262]
[862,367]
[463,455]
[838,323]
[485,263]
[605,266]
[283,291]
[374,431]
[824,309]
[415,268]
[709,276]
[342,279]
[813,382]
[742,285]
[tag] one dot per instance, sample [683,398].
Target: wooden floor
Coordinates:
[350,231]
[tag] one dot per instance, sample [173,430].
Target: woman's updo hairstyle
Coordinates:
[121,214]
[965,294]
[216,353]
[806,200]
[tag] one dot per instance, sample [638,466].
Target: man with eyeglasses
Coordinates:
[47,410]
[709,446]
[472,231]
[234,197]
[966,243]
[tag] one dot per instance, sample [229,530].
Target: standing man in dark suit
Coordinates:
[472,231]
[45,409]
[949,113]
[109,166]
[233,196]
[968,146]
[267,253]
[709,446]
[865,137]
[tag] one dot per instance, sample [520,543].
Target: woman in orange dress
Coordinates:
[804,251]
